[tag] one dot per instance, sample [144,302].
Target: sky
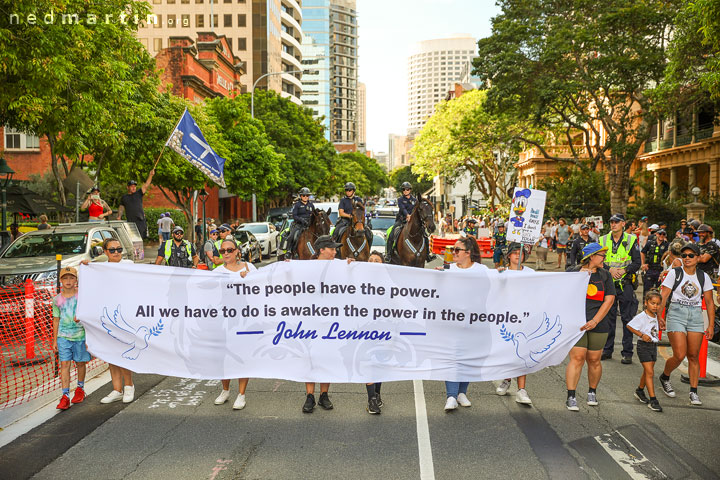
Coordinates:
[387,30]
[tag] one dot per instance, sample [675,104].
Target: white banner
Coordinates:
[526,216]
[597,219]
[327,321]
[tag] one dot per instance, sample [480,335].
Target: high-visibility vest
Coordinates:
[621,257]
[217,247]
[168,249]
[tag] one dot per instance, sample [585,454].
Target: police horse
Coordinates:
[320,225]
[354,241]
[412,245]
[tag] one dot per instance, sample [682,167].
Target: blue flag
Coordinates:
[190,143]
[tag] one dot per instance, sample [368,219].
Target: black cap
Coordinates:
[691,246]
[224,226]
[325,241]
[513,246]
[132,182]
[704,228]
[618,217]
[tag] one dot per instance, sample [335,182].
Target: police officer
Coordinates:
[651,257]
[224,231]
[301,214]
[345,212]
[471,227]
[709,252]
[177,252]
[500,242]
[575,254]
[623,261]
[406,204]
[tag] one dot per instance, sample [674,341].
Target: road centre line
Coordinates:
[427,469]
[628,457]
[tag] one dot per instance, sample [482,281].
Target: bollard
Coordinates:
[448,255]
[29,319]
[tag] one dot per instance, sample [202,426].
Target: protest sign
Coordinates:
[328,321]
[597,219]
[526,215]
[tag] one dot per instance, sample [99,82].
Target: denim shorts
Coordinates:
[72,350]
[682,318]
[646,351]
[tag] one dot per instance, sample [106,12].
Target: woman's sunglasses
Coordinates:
[115,250]
[458,250]
[688,255]
[226,250]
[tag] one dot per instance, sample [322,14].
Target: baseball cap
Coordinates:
[704,228]
[178,229]
[691,246]
[68,271]
[325,241]
[654,226]
[618,217]
[131,182]
[513,246]
[584,226]
[224,226]
[591,249]
[661,232]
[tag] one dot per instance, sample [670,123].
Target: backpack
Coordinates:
[679,273]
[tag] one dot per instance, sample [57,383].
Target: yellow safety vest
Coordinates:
[621,258]
[217,247]
[168,249]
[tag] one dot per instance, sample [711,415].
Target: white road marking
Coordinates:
[628,457]
[427,469]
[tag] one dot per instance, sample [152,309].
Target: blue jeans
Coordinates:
[453,389]
[166,236]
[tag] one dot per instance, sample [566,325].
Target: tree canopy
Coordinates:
[405,174]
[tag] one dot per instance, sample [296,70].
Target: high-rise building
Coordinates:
[330,56]
[433,67]
[265,34]
[362,114]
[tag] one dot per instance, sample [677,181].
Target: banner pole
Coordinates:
[159,156]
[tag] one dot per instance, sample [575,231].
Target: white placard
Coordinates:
[526,215]
[597,219]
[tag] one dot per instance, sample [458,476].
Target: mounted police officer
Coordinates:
[345,213]
[623,261]
[177,252]
[301,214]
[406,204]
[575,254]
[651,256]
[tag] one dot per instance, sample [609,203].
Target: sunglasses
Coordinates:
[688,255]
[407,189]
[458,250]
[223,251]
[115,250]
[601,255]
[304,195]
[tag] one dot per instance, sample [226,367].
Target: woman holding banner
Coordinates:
[230,254]
[466,256]
[598,300]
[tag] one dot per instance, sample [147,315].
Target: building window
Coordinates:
[157,44]
[157,2]
[200,20]
[214,21]
[198,1]
[170,2]
[17,140]
[171,21]
[227,1]
[242,44]
[158,23]
[241,1]
[185,2]
[242,20]
[227,20]
[185,20]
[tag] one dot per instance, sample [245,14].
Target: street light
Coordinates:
[203,195]
[252,115]
[7,172]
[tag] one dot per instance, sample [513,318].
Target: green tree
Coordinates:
[373,176]
[307,155]
[405,174]
[72,83]
[463,136]
[576,193]
[580,68]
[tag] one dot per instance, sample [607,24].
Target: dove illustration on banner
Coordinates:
[136,338]
[530,347]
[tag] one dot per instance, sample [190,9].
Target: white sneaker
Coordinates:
[522,397]
[451,404]
[503,387]
[129,394]
[239,402]
[223,397]
[111,397]
[463,400]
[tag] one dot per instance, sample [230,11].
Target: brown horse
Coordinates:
[319,225]
[412,246]
[354,242]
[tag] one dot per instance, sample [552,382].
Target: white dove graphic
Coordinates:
[120,330]
[529,347]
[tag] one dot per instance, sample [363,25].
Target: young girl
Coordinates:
[645,326]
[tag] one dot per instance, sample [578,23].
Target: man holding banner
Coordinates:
[132,204]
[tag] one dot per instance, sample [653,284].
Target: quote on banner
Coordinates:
[327,321]
[526,215]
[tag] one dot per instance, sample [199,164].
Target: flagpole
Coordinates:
[166,142]
[159,156]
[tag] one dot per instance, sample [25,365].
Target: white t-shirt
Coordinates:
[688,292]
[524,270]
[646,325]
[575,227]
[475,267]
[593,236]
[166,224]
[248,267]
[543,242]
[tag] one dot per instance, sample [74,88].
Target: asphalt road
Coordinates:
[173,430]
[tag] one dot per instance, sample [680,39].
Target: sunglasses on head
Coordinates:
[688,255]
[115,250]
[226,250]
[458,250]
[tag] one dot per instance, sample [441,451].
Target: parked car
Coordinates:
[267,235]
[279,217]
[250,250]
[382,222]
[378,243]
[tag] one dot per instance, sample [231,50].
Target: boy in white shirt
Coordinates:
[645,326]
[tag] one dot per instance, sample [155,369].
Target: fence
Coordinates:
[29,367]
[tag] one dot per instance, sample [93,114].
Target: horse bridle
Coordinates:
[423,231]
[316,213]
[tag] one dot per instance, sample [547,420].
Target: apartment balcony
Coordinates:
[290,20]
[291,60]
[559,151]
[290,40]
[290,78]
[703,133]
[291,97]
[297,10]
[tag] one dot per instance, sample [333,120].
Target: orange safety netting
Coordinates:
[29,367]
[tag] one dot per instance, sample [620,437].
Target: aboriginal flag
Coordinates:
[596,291]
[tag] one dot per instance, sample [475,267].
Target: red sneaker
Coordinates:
[79,395]
[64,403]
